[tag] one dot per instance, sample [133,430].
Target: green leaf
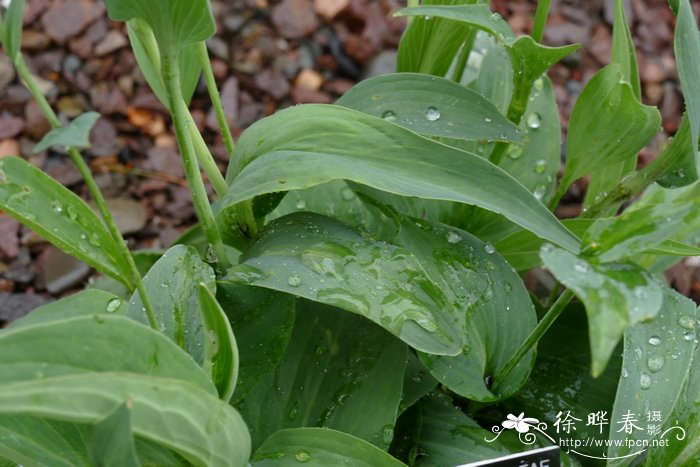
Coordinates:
[339,371]
[636,230]
[76,133]
[478,16]
[12,28]
[429,45]
[656,364]
[93,343]
[608,126]
[145,48]
[172,413]
[674,248]
[313,144]
[320,259]
[623,50]
[60,216]
[680,159]
[497,312]
[686,44]
[85,302]
[175,23]
[319,447]
[616,296]
[431,106]
[417,382]
[172,287]
[112,443]
[263,321]
[220,349]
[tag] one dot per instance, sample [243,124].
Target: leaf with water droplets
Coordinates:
[318,258]
[176,306]
[657,361]
[431,106]
[679,155]
[616,296]
[319,446]
[353,368]
[45,206]
[686,44]
[76,133]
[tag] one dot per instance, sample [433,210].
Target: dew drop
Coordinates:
[644,381]
[655,363]
[625,373]
[496,17]
[164,285]
[686,322]
[581,267]
[507,287]
[488,248]
[347,194]
[302,456]
[534,120]
[654,340]
[387,434]
[301,204]
[432,114]
[514,152]
[540,192]
[293,412]
[113,305]
[3,176]
[294,280]
[540,166]
[83,236]
[72,212]
[453,237]
[487,120]
[57,208]
[689,336]
[281,181]
[389,116]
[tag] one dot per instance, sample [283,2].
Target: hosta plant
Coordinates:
[354,294]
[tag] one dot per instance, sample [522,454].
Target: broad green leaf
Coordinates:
[522,248]
[656,363]
[175,23]
[112,443]
[147,55]
[319,447]
[478,16]
[429,45]
[686,45]
[636,230]
[417,382]
[60,216]
[12,28]
[85,302]
[30,440]
[616,296]
[680,155]
[263,321]
[674,248]
[220,348]
[431,106]
[171,413]
[320,259]
[76,133]
[91,344]
[497,312]
[623,50]
[608,125]
[561,383]
[489,71]
[339,371]
[674,6]
[308,145]
[172,287]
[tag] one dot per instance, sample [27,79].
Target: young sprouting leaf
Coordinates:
[76,133]
[616,296]
[91,343]
[172,287]
[608,126]
[112,441]
[680,153]
[175,23]
[623,50]
[431,106]
[263,321]
[312,144]
[147,56]
[12,24]
[497,312]
[636,230]
[686,44]
[319,446]
[200,427]
[320,259]
[656,353]
[353,368]
[60,216]
[220,348]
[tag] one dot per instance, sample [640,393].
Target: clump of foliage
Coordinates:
[367,256]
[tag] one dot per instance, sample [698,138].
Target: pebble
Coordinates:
[329,9]
[36,124]
[103,139]
[9,238]
[15,305]
[9,147]
[66,20]
[308,79]
[113,41]
[294,19]
[7,71]
[272,83]
[10,126]
[59,271]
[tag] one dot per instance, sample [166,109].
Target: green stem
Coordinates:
[215,98]
[93,189]
[536,334]
[206,160]
[540,19]
[179,112]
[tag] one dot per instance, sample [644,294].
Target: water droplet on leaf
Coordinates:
[389,115]
[301,204]
[534,120]
[302,456]
[113,305]
[644,381]
[540,166]
[686,322]
[294,280]
[655,363]
[432,114]
[453,237]
[488,248]
[654,340]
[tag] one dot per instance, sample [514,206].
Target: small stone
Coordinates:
[294,19]
[309,96]
[382,64]
[107,99]
[113,41]
[9,238]
[33,41]
[229,100]
[309,79]
[146,120]
[103,139]
[272,83]
[15,305]
[10,126]
[66,20]
[7,71]
[651,70]
[36,124]
[130,215]
[70,106]
[329,9]
[218,48]
[60,271]
[9,147]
